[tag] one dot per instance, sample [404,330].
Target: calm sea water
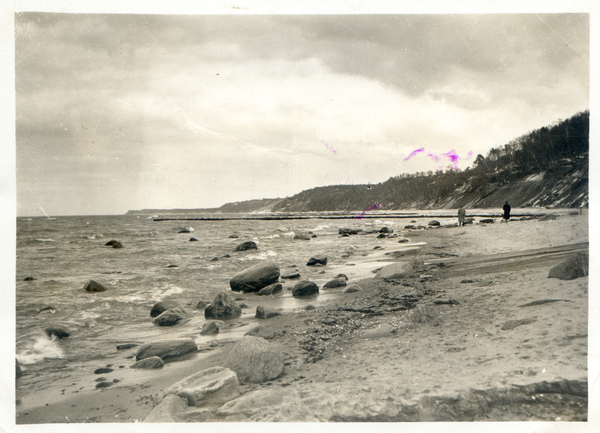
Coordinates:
[62,254]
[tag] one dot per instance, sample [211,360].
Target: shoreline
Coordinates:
[345,374]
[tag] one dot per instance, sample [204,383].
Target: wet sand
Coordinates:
[409,350]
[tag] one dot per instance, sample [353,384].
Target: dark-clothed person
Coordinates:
[506,209]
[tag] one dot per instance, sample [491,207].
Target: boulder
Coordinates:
[166,349]
[263,312]
[233,236]
[382,235]
[549,217]
[222,308]
[248,245]
[170,317]
[94,286]
[409,227]
[344,276]
[434,223]
[210,328]
[319,260]
[184,231]
[162,306]
[302,236]
[352,288]
[469,220]
[402,240]
[254,278]
[111,243]
[487,220]
[56,331]
[574,267]
[385,230]
[193,240]
[291,276]
[202,304]
[346,231]
[395,271]
[117,244]
[29,279]
[336,282]
[261,331]
[169,409]
[215,385]
[271,290]
[255,360]
[149,363]
[305,288]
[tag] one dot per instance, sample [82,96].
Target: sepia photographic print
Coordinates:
[265,214]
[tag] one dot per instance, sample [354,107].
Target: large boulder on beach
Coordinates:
[94,286]
[215,385]
[574,267]
[210,328]
[261,331]
[169,410]
[318,260]
[170,317]
[166,349]
[151,362]
[263,312]
[162,306]
[303,236]
[255,360]
[305,288]
[248,245]
[336,282]
[254,278]
[395,271]
[222,308]
[273,289]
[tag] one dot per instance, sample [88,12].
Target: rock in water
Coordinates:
[149,363]
[261,331]
[56,331]
[271,290]
[255,360]
[210,328]
[94,286]
[215,385]
[302,236]
[263,312]
[254,278]
[248,245]
[201,304]
[166,349]
[336,282]
[305,288]
[222,308]
[170,317]
[320,260]
[395,270]
[574,267]
[162,306]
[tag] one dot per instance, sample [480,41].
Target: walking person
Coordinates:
[506,209]
[461,216]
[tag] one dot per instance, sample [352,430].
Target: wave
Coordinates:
[39,348]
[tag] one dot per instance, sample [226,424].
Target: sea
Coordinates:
[57,256]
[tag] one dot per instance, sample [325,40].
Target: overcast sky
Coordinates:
[120,112]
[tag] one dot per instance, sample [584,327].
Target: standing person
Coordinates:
[461,216]
[506,209]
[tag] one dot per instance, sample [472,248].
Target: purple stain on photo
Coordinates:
[368,208]
[328,147]
[413,153]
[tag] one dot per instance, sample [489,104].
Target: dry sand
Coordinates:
[366,357]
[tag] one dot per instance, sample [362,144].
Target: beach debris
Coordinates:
[202,304]
[162,306]
[126,346]
[434,223]
[352,288]
[395,270]
[574,267]
[103,370]
[271,289]
[254,278]
[303,236]
[291,276]
[255,360]
[336,282]
[170,317]
[305,288]
[151,362]
[263,312]
[214,385]
[248,245]
[261,331]
[166,349]
[543,301]
[210,328]
[94,286]
[222,308]
[318,260]
[512,324]
[168,410]
[56,331]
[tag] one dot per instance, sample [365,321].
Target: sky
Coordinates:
[116,112]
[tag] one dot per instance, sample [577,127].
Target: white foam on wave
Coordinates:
[259,256]
[45,240]
[319,228]
[271,237]
[43,347]
[289,234]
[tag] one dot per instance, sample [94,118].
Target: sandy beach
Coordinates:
[478,332]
